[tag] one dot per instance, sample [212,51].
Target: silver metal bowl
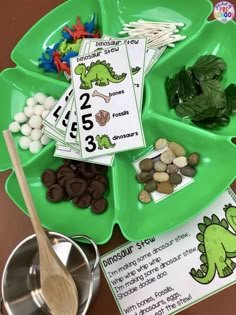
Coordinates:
[21,291]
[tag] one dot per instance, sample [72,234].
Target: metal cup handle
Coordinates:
[94,246]
[1,306]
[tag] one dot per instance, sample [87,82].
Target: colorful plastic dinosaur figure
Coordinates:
[78,31]
[47,61]
[61,66]
[218,246]
[104,142]
[100,72]
[66,47]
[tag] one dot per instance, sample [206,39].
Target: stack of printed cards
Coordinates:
[99,114]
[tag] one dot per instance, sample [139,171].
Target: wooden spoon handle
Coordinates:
[22,181]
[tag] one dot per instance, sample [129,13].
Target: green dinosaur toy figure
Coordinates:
[218,246]
[66,47]
[100,72]
[104,142]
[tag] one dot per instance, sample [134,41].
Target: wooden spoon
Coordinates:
[58,287]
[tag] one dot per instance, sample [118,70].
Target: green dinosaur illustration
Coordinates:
[100,72]
[135,70]
[217,245]
[104,142]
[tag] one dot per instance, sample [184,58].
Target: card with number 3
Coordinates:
[106,107]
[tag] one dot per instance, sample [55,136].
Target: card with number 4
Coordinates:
[106,107]
[53,116]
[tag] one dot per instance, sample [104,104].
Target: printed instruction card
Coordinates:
[106,107]
[167,273]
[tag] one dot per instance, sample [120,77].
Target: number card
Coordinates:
[157,55]
[71,131]
[106,108]
[149,54]
[70,138]
[62,122]
[55,113]
[136,48]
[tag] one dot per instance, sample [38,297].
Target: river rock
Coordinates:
[143,177]
[150,186]
[193,159]
[167,157]
[172,168]
[180,161]
[146,165]
[144,196]
[159,166]
[165,188]
[161,177]
[160,143]
[175,179]
[177,149]
[188,171]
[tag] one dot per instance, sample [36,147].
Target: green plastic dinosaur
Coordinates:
[100,72]
[65,47]
[104,142]
[218,246]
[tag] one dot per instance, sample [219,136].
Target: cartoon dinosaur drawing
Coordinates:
[217,245]
[104,142]
[135,70]
[100,72]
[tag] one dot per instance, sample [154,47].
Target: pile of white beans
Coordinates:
[29,122]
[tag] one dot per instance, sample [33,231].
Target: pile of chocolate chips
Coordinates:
[83,183]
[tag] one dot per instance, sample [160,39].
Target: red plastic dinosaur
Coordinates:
[61,66]
[79,31]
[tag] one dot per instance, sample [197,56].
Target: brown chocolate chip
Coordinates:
[102,179]
[99,206]
[49,177]
[98,169]
[86,170]
[76,187]
[55,193]
[96,189]
[63,174]
[83,201]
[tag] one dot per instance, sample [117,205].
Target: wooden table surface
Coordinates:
[17,17]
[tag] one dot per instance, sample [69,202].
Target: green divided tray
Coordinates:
[218,153]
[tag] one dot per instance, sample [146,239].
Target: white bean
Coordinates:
[36,134]
[45,139]
[40,97]
[20,117]
[49,102]
[24,142]
[30,101]
[29,111]
[45,113]
[35,146]
[35,121]
[26,129]
[38,109]
[14,126]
